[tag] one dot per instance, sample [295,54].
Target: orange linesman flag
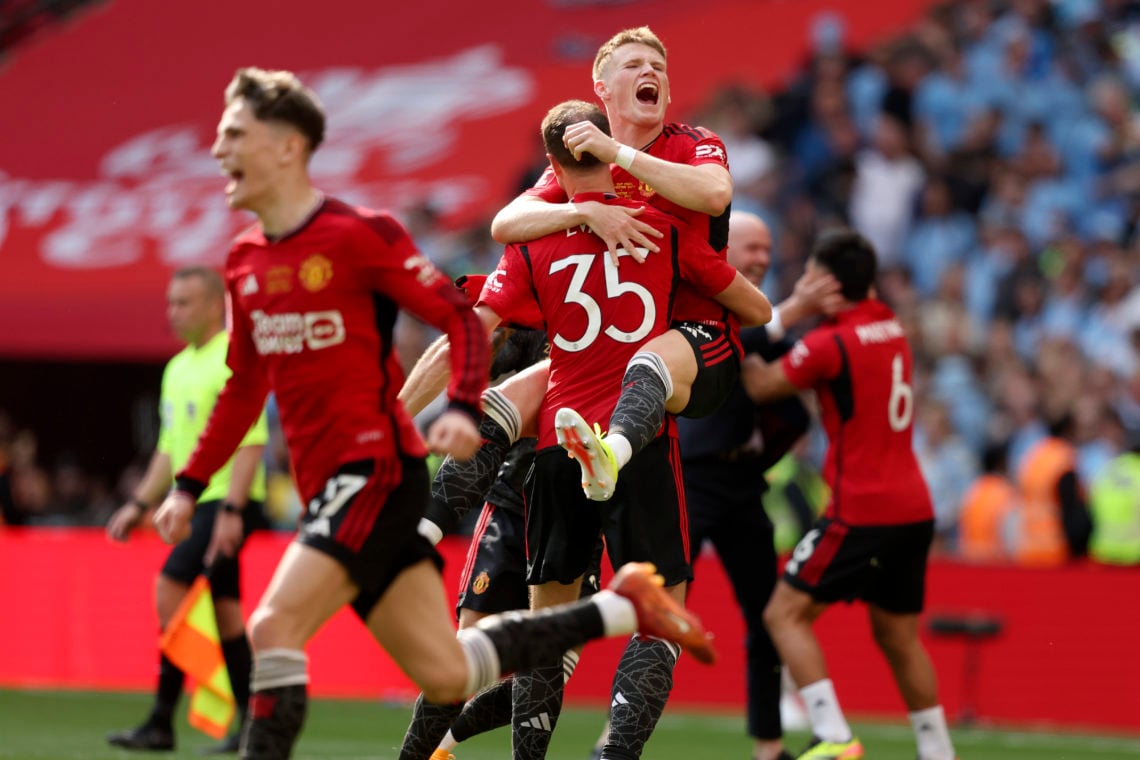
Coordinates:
[191,642]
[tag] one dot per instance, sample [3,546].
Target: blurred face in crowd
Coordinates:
[749,246]
[634,85]
[194,314]
[254,154]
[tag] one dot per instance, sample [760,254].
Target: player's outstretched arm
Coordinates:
[432,371]
[428,378]
[763,381]
[746,300]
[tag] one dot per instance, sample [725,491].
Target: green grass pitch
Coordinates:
[64,725]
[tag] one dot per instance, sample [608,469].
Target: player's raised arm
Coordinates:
[704,187]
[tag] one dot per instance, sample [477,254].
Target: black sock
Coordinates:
[640,409]
[459,487]
[487,710]
[538,703]
[239,664]
[642,684]
[275,719]
[527,640]
[170,681]
[428,727]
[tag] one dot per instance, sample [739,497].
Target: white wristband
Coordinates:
[430,531]
[775,326]
[625,156]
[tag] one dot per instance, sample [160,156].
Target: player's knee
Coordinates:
[269,630]
[445,683]
[893,640]
[779,612]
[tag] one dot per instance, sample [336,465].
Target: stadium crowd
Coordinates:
[993,158]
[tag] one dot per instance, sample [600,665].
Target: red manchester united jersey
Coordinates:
[312,316]
[859,365]
[679,144]
[598,315]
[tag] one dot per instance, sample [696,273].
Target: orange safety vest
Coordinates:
[981,523]
[1039,538]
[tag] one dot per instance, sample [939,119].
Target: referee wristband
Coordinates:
[140,504]
[625,156]
[231,508]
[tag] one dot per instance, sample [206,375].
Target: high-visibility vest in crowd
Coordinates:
[1038,535]
[981,524]
[1114,502]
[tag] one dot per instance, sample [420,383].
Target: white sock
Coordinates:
[621,447]
[448,742]
[483,668]
[274,668]
[618,614]
[503,412]
[827,721]
[430,531]
[931,734]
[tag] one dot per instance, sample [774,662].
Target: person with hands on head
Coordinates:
[315,287]
[230,505]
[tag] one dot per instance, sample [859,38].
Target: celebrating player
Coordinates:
[314,291]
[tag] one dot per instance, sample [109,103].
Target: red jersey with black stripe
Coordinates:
[680,144]
[597,315]
[859,365]
[311,319]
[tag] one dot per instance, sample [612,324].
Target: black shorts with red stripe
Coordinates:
[494,576]
[366,518]
[884,565]
[644,521]
[718,366]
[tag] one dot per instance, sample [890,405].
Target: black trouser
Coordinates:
[724,503]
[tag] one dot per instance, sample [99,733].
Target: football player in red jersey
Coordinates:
[872,542]
[597,316]
[689,370]
[682,169]
[314,289]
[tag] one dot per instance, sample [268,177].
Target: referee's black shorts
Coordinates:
[186,560]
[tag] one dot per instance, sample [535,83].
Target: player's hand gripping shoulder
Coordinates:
[172,520]
[454,433]
[619,227]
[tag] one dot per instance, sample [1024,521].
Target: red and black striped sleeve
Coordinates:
[399,271]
